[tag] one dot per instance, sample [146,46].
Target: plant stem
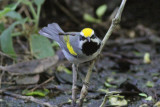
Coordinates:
[34,15]
[32,10]
[107,95]
[15,6]
[74,87]
[17,34]
[37,16]
[104,101]
[84,89]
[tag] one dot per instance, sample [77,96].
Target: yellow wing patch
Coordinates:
[70,48]
[87,32]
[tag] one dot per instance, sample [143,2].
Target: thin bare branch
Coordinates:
[66,11]
[115,22]
[2,68]
[1,78]
[84,89]
[29,98]
[45,82]
[104,101]
[3,54]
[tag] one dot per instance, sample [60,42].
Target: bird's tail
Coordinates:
[52,31]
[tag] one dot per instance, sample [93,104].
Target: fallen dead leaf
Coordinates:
[29,79]
[31,67]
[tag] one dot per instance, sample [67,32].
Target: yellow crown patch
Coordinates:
[87,32]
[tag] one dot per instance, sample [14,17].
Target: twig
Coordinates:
[74,87]
[116,92]
[104,101]
[22,45]
[106,96]
[2,68]
[65,10]
[11,88]
[84,89]
[1,78]
[29,98]
[40,85]
[25,10]
[115,22]
[8,83]
[3,54]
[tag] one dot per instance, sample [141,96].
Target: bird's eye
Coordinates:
[93,36]
[82,38]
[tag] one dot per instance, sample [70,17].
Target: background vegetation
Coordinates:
[128,65]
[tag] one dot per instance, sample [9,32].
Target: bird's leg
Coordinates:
[74,87]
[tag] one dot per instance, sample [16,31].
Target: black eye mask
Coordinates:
[93,36]
[82,37]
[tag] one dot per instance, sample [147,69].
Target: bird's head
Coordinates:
[87,34]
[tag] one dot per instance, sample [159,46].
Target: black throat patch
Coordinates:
[90,48]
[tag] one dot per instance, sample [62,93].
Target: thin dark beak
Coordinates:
[89,39]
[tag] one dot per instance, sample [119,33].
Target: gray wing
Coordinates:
[52,31]
[74,41]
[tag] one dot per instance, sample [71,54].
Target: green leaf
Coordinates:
[146,58]
[157,104]
[149,98]
[6,41]
[117,101]
[103,90]
[40,46]
[38,2]
[101,10]
[14,15]
[150,84]
[91,19]
[4,12]
[109,85]
[13,6]
[63,68]
[8,9]
[27,2]
[143,95]
[36,93]
[2,27]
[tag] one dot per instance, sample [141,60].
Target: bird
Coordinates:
[77,47]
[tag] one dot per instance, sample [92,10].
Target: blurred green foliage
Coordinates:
[100,11]
[40,93]
[63,68]
[40,47]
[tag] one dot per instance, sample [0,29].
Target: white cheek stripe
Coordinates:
[81,33]
[81,42]
[92,32]
[96,40]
